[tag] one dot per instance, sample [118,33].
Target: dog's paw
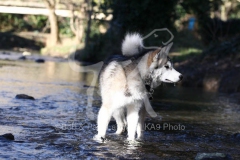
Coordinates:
[134,142]
[140,139]
[120,129]
[130,139]
[99,138]
[118,132]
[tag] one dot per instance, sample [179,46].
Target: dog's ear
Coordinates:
[163,52]
[159,58]
[167,48]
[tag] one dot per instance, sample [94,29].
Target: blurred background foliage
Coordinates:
[216,22]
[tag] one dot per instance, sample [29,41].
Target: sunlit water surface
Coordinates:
[56,125]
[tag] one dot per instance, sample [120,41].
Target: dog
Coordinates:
[127,82]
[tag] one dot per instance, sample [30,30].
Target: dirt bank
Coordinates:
[211,73]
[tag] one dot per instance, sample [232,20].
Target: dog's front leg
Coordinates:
[148,107]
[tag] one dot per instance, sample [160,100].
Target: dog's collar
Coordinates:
[148,86]
[149,91]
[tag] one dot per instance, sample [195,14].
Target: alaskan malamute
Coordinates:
[127,82]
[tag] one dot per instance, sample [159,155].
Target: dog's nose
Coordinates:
[181,77]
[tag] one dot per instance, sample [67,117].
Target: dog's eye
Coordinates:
[167,67]
[156,67]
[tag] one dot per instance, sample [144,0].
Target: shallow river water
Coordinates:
[56,125]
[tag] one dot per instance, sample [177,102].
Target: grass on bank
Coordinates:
[182,54]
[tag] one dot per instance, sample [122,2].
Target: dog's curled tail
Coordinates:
[132,44]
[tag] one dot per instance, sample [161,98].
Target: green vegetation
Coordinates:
[18,23]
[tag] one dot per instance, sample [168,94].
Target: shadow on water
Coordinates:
[55,125]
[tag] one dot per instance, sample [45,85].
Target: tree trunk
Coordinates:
[89,23]
[76,25]
[80,31]
[54,27]
[54,37]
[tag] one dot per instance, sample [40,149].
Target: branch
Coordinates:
[72,26]
[50,4]
[74,30]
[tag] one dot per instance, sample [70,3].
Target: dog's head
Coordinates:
[161,67]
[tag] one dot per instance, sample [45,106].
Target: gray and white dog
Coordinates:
[126,82]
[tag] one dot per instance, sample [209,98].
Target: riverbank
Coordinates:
[211,73]
[36,42]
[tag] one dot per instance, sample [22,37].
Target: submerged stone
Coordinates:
[236,136]
[6,53]
[22,58]
[213,156]
[24,96]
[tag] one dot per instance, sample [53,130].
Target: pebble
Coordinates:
[24,96]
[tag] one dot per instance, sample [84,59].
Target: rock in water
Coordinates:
[22,58]
[236,136]
[8,136]
[40,60]
[6,53]
[24,96]
[213,156]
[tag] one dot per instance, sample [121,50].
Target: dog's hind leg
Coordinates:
[132,119]
[119,116]
[140,126]
[104,117]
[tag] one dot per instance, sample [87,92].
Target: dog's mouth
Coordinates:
[167,80]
